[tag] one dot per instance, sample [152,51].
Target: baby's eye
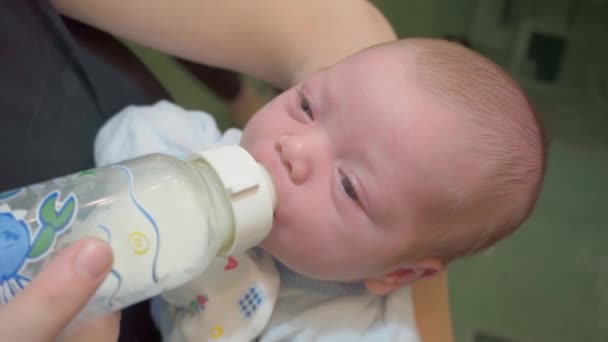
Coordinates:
[348,188]
[306,108]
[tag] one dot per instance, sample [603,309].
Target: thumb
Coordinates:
[57,293]
[101,329]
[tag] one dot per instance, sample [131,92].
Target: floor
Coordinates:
[549,282]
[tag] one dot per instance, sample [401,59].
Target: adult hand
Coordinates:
[42,311]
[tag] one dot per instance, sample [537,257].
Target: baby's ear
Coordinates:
[405,275]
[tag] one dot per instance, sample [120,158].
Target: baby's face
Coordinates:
[353,153]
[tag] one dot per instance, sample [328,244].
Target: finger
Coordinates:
[102,329]
[57,293]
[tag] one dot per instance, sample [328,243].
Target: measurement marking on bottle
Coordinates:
[217,331]
[146,246]
[139,242]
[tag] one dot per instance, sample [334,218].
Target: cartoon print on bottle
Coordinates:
[17,248]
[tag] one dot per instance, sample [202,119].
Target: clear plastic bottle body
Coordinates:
[165,220]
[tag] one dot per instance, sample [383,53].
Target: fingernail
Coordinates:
[93,259]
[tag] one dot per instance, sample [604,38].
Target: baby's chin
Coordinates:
[308,270]
[306,265]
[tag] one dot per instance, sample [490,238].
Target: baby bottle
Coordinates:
[165,220]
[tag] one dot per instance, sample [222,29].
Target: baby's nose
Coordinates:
[293,157]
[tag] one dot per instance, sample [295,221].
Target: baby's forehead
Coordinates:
[425,165]
[399,127]
[369,74]
[395,56]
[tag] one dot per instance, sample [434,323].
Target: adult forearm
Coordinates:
[276,40]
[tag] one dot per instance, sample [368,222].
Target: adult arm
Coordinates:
[275,40]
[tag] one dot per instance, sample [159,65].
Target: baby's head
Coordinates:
[395,161]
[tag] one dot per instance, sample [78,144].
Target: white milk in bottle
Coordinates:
[165,219]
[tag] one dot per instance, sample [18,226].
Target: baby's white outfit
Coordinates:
[239,298]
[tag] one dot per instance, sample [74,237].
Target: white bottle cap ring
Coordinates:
[251,192]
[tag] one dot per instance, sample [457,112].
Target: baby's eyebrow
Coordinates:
[298,89]
[304,89]
[317,90]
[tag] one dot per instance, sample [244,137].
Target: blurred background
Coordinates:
[549,282]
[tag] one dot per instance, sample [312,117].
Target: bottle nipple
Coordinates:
[270,185]
[250,190]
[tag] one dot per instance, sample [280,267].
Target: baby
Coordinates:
[396,161]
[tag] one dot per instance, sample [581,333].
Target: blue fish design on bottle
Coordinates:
[16,245]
